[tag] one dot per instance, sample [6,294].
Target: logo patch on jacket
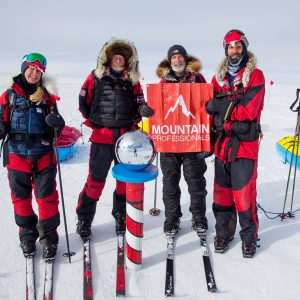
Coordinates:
[82,93]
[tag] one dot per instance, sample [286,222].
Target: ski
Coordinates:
[169,284]
[30,281]
[87,272]
[210,279]
[48,280]
[120,279]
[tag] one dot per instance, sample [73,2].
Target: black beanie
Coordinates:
[175,50]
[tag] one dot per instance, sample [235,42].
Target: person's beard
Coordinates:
[179,68]
[118,68]
[238,60]
[235,61]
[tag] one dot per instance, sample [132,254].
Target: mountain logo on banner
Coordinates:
[185,111]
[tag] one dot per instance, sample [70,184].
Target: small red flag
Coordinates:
[271,82]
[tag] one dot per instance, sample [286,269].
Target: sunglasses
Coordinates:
[33,57]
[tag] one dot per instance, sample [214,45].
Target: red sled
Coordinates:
[66,142]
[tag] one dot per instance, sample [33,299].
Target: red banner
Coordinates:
[180,122]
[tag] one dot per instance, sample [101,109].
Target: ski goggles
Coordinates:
[33,57]
[37,60]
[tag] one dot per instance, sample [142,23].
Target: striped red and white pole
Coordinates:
[134,224]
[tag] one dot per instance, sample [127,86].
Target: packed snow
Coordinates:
[272,274]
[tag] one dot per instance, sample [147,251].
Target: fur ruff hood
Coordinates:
[194,65]
[250,67]
[124,48]
[49,83]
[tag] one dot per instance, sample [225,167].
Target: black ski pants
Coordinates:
[101,157]
[193,171]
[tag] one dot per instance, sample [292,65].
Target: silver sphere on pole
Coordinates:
[135,150]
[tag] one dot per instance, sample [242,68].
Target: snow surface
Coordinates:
[272,274]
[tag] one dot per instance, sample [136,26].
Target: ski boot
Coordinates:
[84,230]
[199,224]
[28,248]
[120,224]
[171,226]
[49,252]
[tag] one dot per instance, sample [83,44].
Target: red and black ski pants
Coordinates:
[44,185]
[235,192]
[101,157]
[193,171]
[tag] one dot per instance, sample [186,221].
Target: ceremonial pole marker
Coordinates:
[134,210]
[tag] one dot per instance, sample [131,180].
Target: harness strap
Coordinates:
[28,138]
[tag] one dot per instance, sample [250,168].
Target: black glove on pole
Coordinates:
[146,111]
[55,120]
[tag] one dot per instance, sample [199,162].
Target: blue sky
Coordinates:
[74,31]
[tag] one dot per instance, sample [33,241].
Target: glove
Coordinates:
[2,130]
[217,106]
[55,120]
[222,107]
[205,154]
[218,122]
[146,111]
[211,108]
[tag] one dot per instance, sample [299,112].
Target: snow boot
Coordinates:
[84,230]
[171,226]
[248,249]
[28,248]
[222,244]
[199,224]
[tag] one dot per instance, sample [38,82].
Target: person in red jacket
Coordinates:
[239,89]
[181,67]
[28,118]
[109,100]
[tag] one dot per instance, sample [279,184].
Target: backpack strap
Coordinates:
[12,100]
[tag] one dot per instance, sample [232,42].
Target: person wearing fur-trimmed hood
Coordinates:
[109,100]
[179,66]
[28,118]
[239,89]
